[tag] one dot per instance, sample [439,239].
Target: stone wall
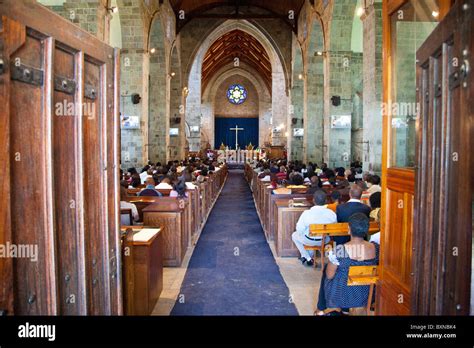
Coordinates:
[296,151]
[90,15]
[372,71]
[249,108]
[357,138]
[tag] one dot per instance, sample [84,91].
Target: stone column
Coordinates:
[134,79]
[372,100]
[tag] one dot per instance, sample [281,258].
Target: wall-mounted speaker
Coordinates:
[136,98]
[336,100]
[294,120]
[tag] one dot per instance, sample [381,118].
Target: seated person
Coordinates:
[373,184]
[202,177]
[281,175]
[136,181]
[150,189]
[346,210]
[297,180]
[165,184]
[335,197]
[375,200]
[146,172]
[318,214]
[316,184]
[334,292]
[265,176]
[179,189]
[127,205]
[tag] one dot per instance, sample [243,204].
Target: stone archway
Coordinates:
[279,77]
[213,88]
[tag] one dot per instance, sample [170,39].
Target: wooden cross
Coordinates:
[236,129]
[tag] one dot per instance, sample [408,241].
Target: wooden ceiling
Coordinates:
[237,9]
[236,44]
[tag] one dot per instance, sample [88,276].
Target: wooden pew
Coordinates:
[333,230]
[363,276]
[142,270]
[273,211]
[195,211]
[286,225]
[142,202]
[171,213]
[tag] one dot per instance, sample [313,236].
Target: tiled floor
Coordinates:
[303,283]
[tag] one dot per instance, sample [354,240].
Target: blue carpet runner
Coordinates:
[232,270]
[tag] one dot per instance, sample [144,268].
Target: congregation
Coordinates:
[339,196]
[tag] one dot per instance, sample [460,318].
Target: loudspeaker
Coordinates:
[177,120]
[336,100]
[294,120]
[136,98]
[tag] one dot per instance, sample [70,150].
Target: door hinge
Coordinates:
[90,92]
[2,66]
[454,80]
[27,74]
[65,85]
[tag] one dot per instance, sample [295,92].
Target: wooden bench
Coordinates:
[172,215]
[333,230]
[363,276]
[142,270]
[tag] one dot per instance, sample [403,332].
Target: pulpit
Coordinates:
[275,152]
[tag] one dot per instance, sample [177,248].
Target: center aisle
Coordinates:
[232,270]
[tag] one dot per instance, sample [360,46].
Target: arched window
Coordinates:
[236,94]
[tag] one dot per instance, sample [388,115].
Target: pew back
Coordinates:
[338,229]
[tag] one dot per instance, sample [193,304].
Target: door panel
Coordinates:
[443,216]
[60,179]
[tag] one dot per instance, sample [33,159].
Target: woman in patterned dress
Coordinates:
[335,295]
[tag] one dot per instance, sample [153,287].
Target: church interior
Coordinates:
[236,157]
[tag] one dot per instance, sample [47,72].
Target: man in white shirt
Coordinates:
[127,205]
[318,214]
[145,174]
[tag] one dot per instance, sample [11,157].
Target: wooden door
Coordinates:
[406,24]
[443,216]
[59,154]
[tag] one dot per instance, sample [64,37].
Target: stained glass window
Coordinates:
[236,94]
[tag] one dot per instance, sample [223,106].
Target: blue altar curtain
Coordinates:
[223,134]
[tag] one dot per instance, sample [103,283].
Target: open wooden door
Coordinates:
[443,216]
[59,148]
[406,25]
